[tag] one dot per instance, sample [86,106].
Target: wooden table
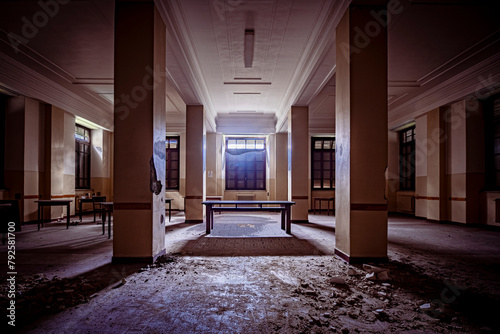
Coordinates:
[281,206]
[52,202]
[108,208]
[327,199]
[169,201]
[80,201]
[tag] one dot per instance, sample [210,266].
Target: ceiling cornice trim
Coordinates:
[312,55]
[175,21]
[466,83]
[474,50]
[30,83]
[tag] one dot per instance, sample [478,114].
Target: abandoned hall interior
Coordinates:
[353,122]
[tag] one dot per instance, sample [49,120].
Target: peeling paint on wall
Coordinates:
[155,185]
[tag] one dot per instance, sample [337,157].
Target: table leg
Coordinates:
[169,210]
[67,213]
[80,209]
[288,220]
[109,224]
[211,217]
[103,221]
[283,225]
[42,214]
[207,218]
[38,216]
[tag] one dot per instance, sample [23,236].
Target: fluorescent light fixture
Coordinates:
[87,123]
[248,51]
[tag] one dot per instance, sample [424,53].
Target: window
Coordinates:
[245,164]
[172,156]
[407,159]
[323,163]
[82,157]
[492,145]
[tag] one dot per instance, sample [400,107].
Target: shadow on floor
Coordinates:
[271,246]
[445,299]
[330,229]
[41,297]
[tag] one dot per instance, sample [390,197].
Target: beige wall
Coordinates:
[40,154]
[33,157]
[14,142]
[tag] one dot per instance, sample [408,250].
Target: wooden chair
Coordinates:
[97,207]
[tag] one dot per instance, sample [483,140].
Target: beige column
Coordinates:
[475,159]
[421,166]
[299,145]
[361,136]
[282,166]
[195,163]
[464,160]
[139,138]
[211,162]
[14,149]
[436,167]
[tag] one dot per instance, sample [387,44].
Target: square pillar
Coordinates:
[436,168]
[281,167]
[211,163]
[299,166]
[195,163]
[361,135]
[139,138]
[421,166]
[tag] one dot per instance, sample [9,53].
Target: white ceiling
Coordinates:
[438,52]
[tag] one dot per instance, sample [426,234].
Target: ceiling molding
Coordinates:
[404,84]
[93,81]
[176,23]
[453,63]
[313,54]
[20,78]
[246,83]
[40,60]
[469,82]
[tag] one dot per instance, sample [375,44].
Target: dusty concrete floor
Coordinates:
[250,277]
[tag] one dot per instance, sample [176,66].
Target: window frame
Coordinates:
[407,158]
[256,166]
[79,143]
[168,160]
[321,151]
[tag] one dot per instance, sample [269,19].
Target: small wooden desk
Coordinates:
[52,202]
[80,202]
[281,206]
[327,199]
[169,201]
[108,208]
